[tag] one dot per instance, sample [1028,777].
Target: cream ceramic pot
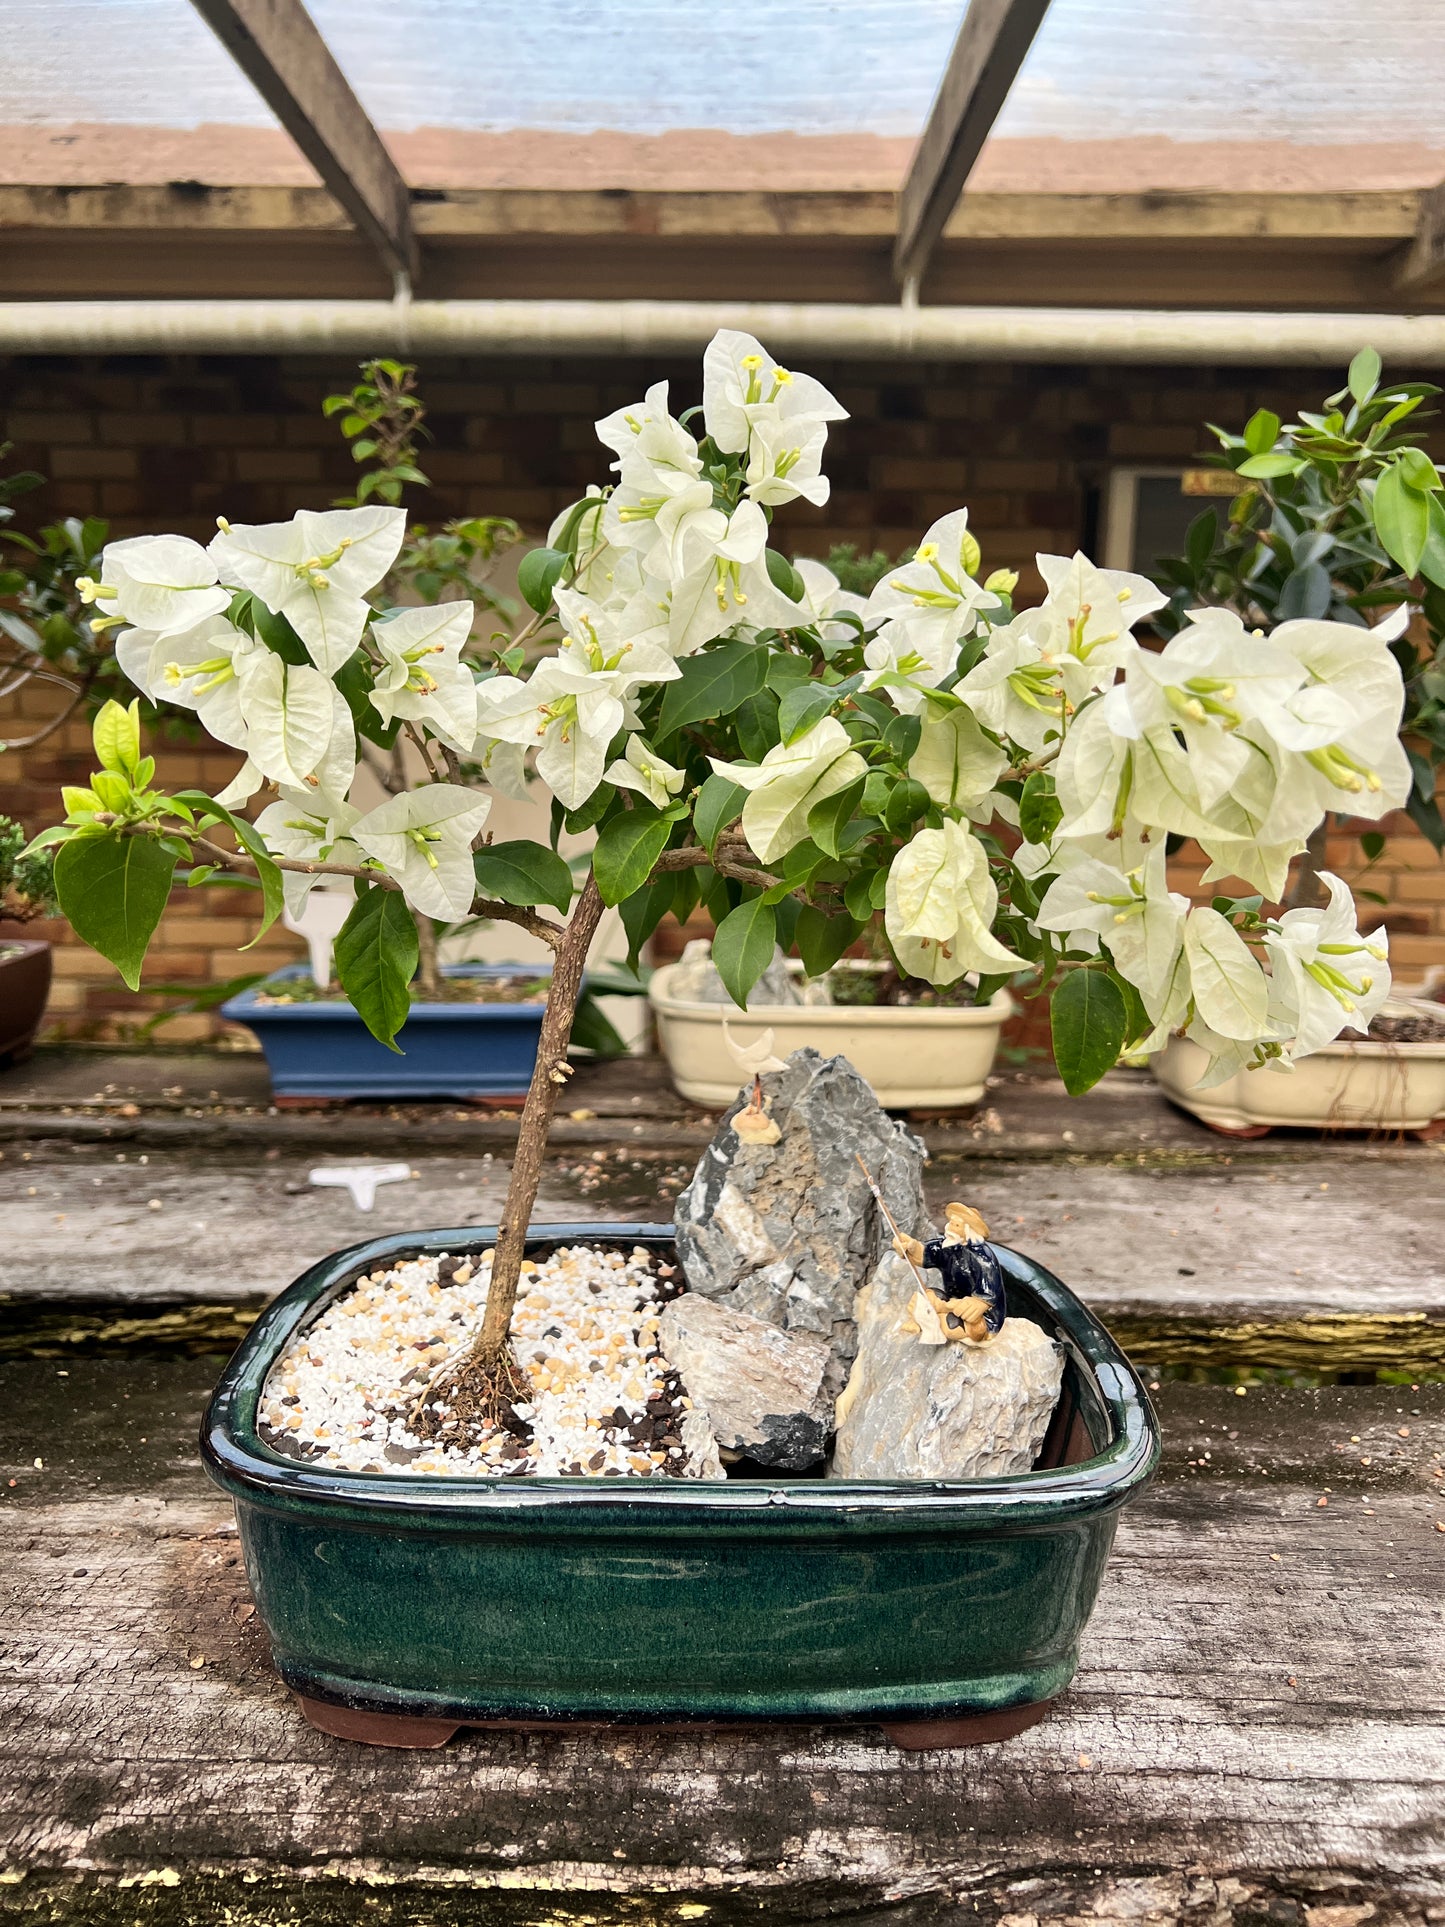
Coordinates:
[1360,1086]
[914,1059]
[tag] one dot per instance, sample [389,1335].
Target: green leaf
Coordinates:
[593,1031]
[783,576]
[719,802]
[1364,376]
[537,575]
[907,801]
[802,706]
[1306,592]
[821,940]
[117,737]
[743,947]
[1040,811]
[756,723]
[354,679]
[627,848]
[1264,467]
[1261,431]
[278,635]
[785,669]
[112,889]
[1373,845]
[858,894]
[1432,560]
[644,910]
[1402,519]
[714,683]
[590,812]
[524,873]
[827,820]
[1089,1019]
[902,737]
[376,957]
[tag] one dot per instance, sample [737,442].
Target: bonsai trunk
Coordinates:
[1308,892]
[487,1381]
[428,976]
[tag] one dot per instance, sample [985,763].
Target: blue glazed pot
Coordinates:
[475,1601]
[448,1050]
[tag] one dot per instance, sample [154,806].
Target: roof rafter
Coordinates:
[992,41]
[1423,264]
[279,48]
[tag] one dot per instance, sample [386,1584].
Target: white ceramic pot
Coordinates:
[914,1059]
[1354,1087]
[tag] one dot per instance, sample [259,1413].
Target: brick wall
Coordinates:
[169,443]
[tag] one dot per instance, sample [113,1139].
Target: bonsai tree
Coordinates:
[1339,515]
[27,883]
[737,731]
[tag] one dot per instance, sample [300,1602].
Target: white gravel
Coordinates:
[584,1329]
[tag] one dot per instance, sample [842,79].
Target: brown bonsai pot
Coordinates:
[24,987]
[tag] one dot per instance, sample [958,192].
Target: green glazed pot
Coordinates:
[468,1601]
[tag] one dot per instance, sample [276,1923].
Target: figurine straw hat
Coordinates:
[964,1222]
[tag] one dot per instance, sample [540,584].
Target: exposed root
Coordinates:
[471,1397]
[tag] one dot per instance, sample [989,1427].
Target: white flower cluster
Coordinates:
[1240,741]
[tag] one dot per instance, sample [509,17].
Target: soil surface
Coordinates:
[451,990]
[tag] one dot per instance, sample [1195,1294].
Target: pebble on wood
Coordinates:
[604,1400]
[790,1232]
[952,1411]
[761,1389]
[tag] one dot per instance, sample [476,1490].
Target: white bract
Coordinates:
[314,570]
[792,779]
[424,679]
[162,583]
[940,907]
[424,840]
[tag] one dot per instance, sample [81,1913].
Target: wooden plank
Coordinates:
[1258,1726]
[277,46]
[992,41]
[1369,219]
[1423,267]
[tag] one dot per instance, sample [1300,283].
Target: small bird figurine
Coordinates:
[973,1304]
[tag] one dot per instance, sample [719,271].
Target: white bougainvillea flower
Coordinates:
[1017,688]
[907,657]
[792,779]
[1139,919]
[163,584]
[196,669]
[310,827]
[1344,725]
[642,769]
[1230,1055]
[1326,977]
[955,762]
[570,709]
[315,570]
[1088,612]
[654,451]
[1226,980]
[725,585]
[785,461]
[424,839]
[299,730]
[940,907]
[423,678]
[742,384]
[824,601]
[937,590]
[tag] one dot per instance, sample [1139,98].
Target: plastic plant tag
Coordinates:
[360,1180]
[320,920]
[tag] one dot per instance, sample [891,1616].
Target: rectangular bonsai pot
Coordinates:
[517,1600]
[25,965]
[448,1050]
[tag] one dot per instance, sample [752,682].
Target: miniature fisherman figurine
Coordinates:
[972,1304]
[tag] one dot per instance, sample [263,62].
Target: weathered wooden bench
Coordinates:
[1257,1732]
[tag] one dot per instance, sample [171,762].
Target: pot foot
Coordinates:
[375,1729]
[972,1729]
[1238,1130]
[1432,1132]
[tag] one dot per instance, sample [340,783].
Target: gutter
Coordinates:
[629,329]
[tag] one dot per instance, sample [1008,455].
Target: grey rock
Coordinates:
[761,1390]
[952,1411]
[697,979]
[789,1231]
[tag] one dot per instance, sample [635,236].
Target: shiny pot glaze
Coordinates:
[547,1598]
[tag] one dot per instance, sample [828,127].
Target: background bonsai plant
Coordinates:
[1339,516]
[1001,785]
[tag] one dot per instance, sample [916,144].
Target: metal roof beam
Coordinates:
[278,47]
[992,41]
